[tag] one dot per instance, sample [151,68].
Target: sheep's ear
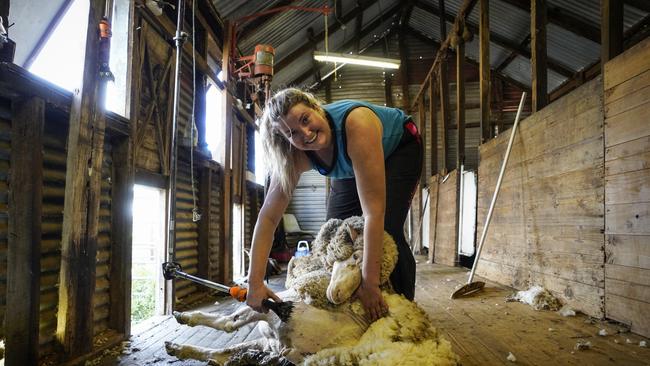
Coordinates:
[353,233]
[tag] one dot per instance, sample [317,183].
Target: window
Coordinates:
[61,60]
[214,121]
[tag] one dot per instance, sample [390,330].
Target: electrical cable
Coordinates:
[196,216]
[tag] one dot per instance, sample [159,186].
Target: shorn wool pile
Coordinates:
[326,327]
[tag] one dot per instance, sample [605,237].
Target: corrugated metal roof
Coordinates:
[520,69]
[426,23]
[570,49]
[234,9]
[506,21]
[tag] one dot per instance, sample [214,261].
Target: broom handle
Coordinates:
[496,189]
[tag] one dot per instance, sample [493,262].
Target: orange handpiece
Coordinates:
[238,293]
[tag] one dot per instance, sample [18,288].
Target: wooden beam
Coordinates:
[24,242]
[518,49]
[484,69]
[612,30]
[434,128]
[307,46]
[538,54]
[123,178]
[444,112]
[226,248]
[449,52]
[85,145]
[460,104]
[358,25]
[403,69]
[441,18]
[422,119]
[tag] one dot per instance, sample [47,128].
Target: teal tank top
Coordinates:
[392,120]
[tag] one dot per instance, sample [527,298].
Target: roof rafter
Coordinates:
[367,30]
[564,19]
[500,41]
[499,75]
[306,46]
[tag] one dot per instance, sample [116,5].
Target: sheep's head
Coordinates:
[346,278]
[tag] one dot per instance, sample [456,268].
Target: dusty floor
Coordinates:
[483,330]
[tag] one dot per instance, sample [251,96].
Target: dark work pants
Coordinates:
[403,169]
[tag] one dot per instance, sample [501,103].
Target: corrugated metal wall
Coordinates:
[54,170]
[186,230]
[5,149]
[101,298]
[308,202]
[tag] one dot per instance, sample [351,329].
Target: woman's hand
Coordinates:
[258,293]
[372,300]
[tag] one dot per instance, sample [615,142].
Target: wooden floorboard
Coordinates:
[483,329]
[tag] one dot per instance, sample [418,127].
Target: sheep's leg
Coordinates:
[227,323]
[220,355]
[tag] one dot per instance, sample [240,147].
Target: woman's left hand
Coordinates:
[372,300]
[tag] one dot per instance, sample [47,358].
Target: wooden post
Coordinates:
[82,195]
[611,30]
[484,66]
[122,231]
[24,241]
[403,68]
[434,126]
[460,105]
[205,203]
[226,249]
[444,111]
[538,58]
[422,118]
[123,177]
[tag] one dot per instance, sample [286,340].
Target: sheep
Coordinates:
[337,242]
[351,339]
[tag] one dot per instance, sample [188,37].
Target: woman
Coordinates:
[373,155]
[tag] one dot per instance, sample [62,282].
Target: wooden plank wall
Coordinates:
[5,149]
[547,227]
[627,188]
[446,222]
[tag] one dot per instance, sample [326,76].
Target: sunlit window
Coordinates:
[260,168]
[62,58]
[215,122]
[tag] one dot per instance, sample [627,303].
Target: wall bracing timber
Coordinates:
[627,188]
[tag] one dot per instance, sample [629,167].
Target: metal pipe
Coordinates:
[171,196]
[496,189]
[206,283]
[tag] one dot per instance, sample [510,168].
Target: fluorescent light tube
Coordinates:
[357,60]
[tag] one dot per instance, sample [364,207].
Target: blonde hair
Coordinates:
[279,155]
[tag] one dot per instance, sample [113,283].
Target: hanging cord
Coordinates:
[196,216]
